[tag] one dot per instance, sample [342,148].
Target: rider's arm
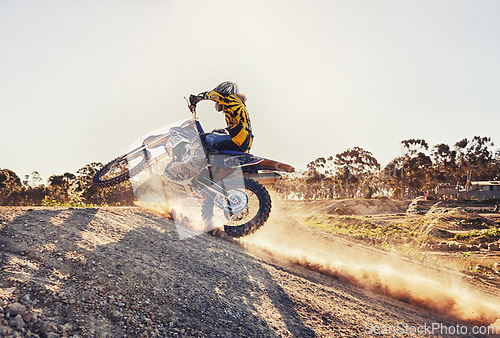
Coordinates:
[216,97]
[234,120]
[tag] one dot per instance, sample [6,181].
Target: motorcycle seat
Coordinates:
[233,152]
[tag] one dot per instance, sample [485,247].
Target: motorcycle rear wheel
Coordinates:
[243,222]
[118,170]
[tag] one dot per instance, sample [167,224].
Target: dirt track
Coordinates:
[123,272]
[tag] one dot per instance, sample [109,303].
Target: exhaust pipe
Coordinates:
[264,177]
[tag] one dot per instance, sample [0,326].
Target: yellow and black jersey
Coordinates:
[237,118]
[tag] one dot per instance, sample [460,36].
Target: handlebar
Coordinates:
[192,102]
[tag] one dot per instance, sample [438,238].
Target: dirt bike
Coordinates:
[228,185]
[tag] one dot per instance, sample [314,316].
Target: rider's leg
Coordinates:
[214,140]
[229,145]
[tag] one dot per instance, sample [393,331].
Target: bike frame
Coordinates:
[250,165]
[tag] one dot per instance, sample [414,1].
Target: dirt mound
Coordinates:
[364,207]
[123,272]
[445,216]
[419,206]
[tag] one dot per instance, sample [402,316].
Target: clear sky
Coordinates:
[80,80]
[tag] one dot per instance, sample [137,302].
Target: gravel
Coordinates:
[123,272]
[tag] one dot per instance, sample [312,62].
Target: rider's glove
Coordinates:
[221,131]
[194,99]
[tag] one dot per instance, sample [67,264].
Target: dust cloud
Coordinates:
[286,240]
[186,216]
[159,208]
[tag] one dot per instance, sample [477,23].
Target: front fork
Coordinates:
[214,188]
[201,185]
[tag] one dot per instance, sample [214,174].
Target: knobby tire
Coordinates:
[127,174]
[255,223]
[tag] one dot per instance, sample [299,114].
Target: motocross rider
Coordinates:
[238,133]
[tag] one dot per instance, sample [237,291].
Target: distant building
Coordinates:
[447,191]
[480,190]
[483,190]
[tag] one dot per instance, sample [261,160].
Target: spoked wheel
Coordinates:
[122,168]
[243,212]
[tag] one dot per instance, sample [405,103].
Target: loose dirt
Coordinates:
[117,272]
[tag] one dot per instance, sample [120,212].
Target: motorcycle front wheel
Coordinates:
[122,168]
[245,210]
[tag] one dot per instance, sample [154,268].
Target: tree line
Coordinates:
[354,172]
[66,189]
[357,173]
